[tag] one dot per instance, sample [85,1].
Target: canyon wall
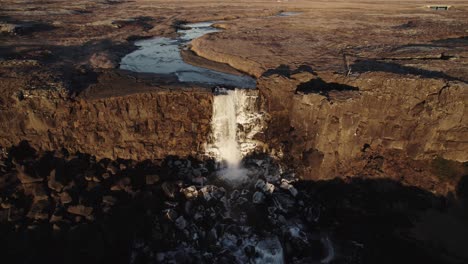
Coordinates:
[322,125]
[150,125]
[325,125]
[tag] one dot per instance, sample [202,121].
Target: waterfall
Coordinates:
[224,128]
[237,120]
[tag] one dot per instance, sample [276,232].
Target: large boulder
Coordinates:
[26,176]
[103,60]
[80,210]
[39,210]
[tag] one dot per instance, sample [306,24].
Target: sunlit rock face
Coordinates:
[139,126]
[380,125]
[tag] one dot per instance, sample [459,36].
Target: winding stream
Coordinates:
[162,56]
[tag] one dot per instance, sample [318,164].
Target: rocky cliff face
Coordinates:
[150,125]
[325,125]
[322,125]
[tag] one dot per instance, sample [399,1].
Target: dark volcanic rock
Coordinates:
[39,210]
[65,198]
[272,217]
[80,210]
[53,183]
[152,179]
[39,192]
[25,177]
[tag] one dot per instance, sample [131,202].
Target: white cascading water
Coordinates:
[224,127]
[235,122]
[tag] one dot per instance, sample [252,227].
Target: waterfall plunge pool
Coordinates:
[162,55]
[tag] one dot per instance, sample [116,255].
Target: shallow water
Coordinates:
[286,14]
[162,56]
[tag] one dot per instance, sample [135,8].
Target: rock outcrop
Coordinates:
[150,125]
[325,132]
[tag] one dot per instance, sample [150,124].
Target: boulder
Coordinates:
[96,179]
[212,192]
[5,205]
[151,179]
[109,200]
[284,202]
[249,251]
[235,194]
[7,180]
[55,218]
[65,198]
[170,214]
[312,214]
[39,210]
[269,188]
[260,184]
[241,201]
[113,170]
[190,192]
[56,227]
[103,60]
[8,28]
[15,214]
[80,210]
[199,181]
[169,189]
[88,177]
[181,223]
[3,216]
[198,216]
[116,187]
[178,164]
[287,186]
[40,192]
[265,187]
[25,177]
[293,191]
[52,183]
[273,178]
[197,173]
[122,184]
[258,198]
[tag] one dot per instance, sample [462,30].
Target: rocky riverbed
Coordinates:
[72,208]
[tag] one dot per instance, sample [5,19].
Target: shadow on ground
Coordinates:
[321,87]
[286,71]
[59,207]
[361,66]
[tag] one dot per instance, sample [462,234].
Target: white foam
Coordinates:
[269,251]
[330,250]
[224,129]
[235,122]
